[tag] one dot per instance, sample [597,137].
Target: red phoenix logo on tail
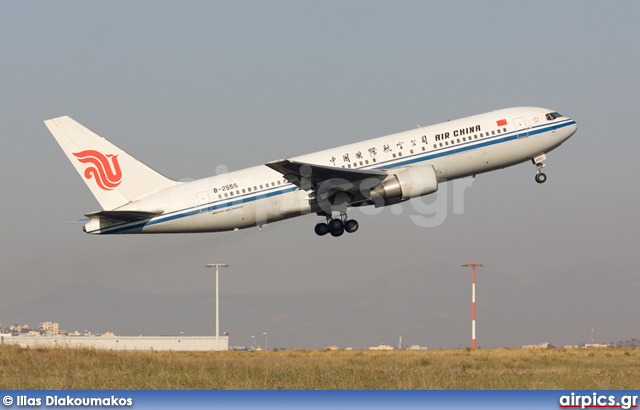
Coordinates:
[104,168]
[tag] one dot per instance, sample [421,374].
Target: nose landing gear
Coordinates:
[336,226]
[541,177]
[538,161]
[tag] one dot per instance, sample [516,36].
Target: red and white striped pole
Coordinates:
[473,303]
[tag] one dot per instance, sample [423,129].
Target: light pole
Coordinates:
[217,266]
[473,303]
[266,341]
[253,342]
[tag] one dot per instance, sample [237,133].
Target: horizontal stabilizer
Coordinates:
[124,216]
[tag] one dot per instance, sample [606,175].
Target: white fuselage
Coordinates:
[257,195]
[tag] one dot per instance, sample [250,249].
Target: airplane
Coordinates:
[377,172]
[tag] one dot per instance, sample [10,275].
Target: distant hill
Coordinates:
[628,343]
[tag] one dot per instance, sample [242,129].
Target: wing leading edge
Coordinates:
[308,176]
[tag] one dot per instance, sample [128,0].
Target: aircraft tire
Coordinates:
[337,233]
[336,227]
[351,225]
[322,229]
[541,178]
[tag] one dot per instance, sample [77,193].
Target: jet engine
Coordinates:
[404,183]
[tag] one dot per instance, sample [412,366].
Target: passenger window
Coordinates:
[225,195]
[243,191]
[394,155]
[493,133]
[261,186]
[504,129]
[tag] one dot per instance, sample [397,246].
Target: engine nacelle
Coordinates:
[404,183]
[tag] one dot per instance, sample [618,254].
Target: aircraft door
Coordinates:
[521,127]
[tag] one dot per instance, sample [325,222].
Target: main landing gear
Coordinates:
[336,226]
[538,161]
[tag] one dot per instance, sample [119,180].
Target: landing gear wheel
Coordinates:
[539,163]
[336,227]
[351,225]
[322,229]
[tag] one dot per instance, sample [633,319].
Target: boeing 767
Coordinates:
[377,172]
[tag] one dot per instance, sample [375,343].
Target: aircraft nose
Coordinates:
[573,128]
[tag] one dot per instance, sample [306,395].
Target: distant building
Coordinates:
[381,347]
[156,343]
[50,328]
[417,347]
[595,345]
[545,345]
[20,329]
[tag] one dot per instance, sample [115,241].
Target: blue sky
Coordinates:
[189,86]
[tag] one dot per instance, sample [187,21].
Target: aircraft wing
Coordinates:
[324,181]
[307,176]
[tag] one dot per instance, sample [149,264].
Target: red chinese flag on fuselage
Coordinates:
[501,123]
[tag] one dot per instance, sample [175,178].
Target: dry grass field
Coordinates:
[40,368]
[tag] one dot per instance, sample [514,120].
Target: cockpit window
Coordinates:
[553,115]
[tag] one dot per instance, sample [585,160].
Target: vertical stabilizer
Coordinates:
[114,177]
